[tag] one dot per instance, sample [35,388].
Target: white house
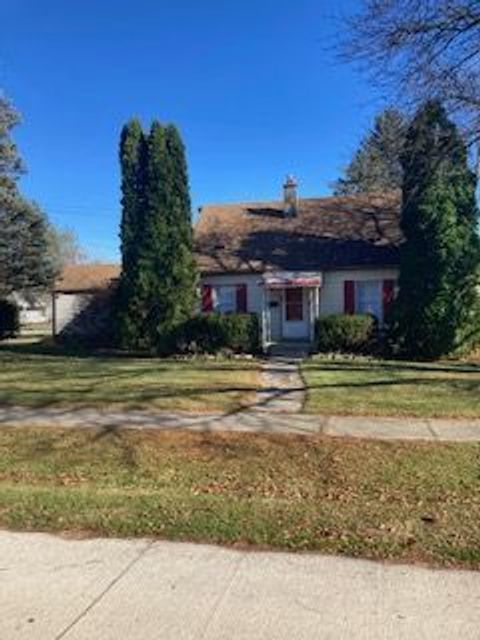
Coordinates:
[289,261]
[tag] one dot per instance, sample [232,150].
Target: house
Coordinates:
[34,310]
[81,296]
[289,261]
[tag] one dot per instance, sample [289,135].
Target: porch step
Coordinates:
[294,350]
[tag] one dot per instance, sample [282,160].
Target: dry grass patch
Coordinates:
[409,502]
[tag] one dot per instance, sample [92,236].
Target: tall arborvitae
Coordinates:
[440,258]
[158,280]
[156,258]
[133,170]
[179,206]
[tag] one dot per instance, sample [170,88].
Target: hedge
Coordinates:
[9,319]
[346,333]
[214,332]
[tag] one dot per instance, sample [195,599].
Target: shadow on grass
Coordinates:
[90,396]
[441,367]
[464,385]
[101,358]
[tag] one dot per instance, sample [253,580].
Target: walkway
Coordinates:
[249,420]
[55,589]
[283,389]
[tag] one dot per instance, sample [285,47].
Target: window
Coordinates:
[368,298]
[294,305]
[225,299]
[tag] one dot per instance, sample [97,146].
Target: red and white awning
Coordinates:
[285,279]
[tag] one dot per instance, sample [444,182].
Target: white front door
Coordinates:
[275,312]
[295,314]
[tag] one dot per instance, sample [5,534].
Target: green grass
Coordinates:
[34,376]
[363,386]
[403,501]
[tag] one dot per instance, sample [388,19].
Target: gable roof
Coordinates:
[334,232]
[87,277]
[326,233]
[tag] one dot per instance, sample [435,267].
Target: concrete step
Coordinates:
[289,350]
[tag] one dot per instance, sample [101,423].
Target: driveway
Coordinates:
[52,588]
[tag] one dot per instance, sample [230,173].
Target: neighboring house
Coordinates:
[80,297]
[35,310]
[288,261]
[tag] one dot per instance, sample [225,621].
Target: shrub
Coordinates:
[9,319]
[210,333]
[346,333]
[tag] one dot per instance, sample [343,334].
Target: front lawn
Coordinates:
[363,386]
[403,501]
[33,376]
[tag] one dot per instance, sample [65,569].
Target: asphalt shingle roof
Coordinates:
[325,233]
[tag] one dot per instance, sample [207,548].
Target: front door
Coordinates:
[275,310]
[295,315]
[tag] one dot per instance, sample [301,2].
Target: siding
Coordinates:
[254,290]
[68,306]
[332,292]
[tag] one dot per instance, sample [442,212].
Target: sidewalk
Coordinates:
[249,420]
[53,588]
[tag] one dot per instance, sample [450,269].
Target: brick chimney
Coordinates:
[290,196]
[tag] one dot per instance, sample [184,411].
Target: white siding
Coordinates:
[254,289]
[67,306]
[332,291]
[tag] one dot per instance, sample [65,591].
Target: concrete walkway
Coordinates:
[249,420]
[283,389]
[51,589]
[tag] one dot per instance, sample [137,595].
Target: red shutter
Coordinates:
[349,296]
[207,298]
[388,295]
[241,298]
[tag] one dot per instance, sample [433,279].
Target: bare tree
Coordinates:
[422,49]
[64,248]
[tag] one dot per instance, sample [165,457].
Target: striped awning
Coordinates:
[285,279]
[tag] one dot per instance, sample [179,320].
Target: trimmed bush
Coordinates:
[213,332]
[346,333]
[9,319]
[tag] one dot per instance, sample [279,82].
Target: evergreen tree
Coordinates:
[11,165]
[376,164]
[25,261]
[162,290]
[440,258]
[155,256]
[133,158]
[179,205]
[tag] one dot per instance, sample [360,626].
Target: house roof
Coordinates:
[326,233]
[334,232]
[87,277]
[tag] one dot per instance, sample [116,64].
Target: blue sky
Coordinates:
[251,84]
